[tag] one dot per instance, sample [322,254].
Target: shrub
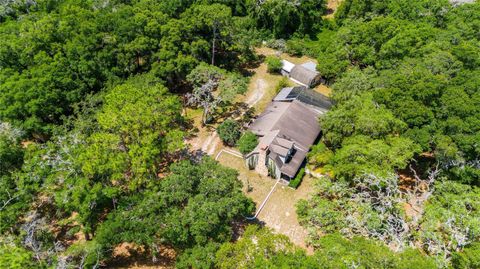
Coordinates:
[282,84]
[298,179]
[229,132]
[274,64]
[277,44]
[247,142]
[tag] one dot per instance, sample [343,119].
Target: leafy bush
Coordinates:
[247,142]
[229,132]
[274,64]
[298,179]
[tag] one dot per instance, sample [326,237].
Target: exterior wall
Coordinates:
[261,167]
[285,177]
[273,170]
[251,161]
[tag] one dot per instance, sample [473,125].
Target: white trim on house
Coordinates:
[298,82]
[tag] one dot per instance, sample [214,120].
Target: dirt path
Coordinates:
[214,144]
[211,143]
[258,92]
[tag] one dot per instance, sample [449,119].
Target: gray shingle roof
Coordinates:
[304,75]
[299,124]
[310,66]
[290,169]
[296,124]
[265,121]
[290,120]
[283,142]
[279,149]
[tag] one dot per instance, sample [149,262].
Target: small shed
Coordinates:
[305,75]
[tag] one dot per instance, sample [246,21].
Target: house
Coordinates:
[286,129]
[305,74]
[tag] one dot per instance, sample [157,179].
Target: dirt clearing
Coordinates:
[279,212]
[332,6]
[261,88]
[258,91]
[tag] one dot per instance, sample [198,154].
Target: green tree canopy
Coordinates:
[193,206]
[359,116]
[274,64]
[256,246]
[229,132]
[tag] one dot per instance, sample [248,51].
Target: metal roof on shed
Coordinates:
[287,66]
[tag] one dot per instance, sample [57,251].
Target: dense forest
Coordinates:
[92,132]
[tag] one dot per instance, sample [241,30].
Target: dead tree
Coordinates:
[383,194]
[204,96]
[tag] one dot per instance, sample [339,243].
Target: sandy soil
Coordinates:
[128,255]
[332,6]
[279,212]
[203,138]
[210,145]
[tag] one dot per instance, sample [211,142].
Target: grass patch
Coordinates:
[283,83]
[323,89]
